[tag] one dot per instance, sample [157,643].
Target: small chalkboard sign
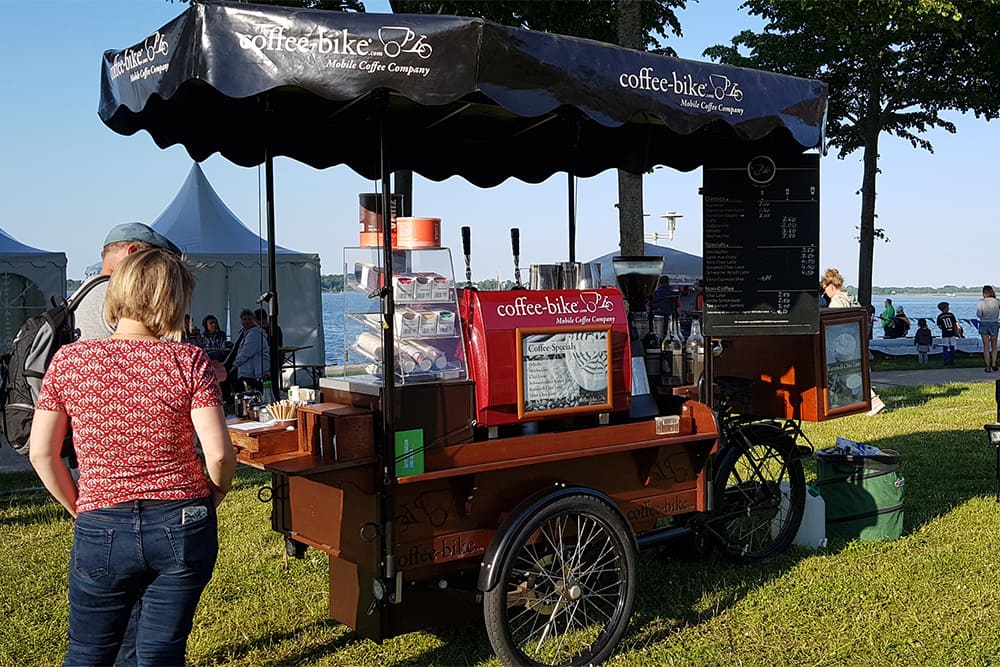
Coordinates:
[761,244]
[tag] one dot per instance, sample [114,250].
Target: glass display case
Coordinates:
[428,337]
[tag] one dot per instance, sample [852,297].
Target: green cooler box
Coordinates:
[863,494]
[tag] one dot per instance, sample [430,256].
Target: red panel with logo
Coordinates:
[542,353]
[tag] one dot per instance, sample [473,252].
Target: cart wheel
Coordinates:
[567,587]
[759,497]
[294,548]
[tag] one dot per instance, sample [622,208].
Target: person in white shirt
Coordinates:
[988,311]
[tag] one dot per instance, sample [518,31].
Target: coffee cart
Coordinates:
[473,482]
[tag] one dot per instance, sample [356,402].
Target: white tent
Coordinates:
[29,278]
[682,267]
[230,263]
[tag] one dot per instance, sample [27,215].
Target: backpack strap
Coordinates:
[84,290]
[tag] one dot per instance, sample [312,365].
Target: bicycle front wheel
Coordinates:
[759,495]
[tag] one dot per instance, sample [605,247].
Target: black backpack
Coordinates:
[23,368]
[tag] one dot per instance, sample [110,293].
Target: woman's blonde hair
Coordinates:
[832,277]
[151,286]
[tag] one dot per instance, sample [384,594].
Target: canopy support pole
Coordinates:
[388,481]
[571,193]
[272,276]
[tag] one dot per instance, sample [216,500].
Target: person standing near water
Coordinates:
[988,311]
[950,329]
[924,340]
[888,313]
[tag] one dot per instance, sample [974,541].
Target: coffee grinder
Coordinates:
[637,277]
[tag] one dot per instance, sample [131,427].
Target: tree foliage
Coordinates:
[892,66]
[593,19]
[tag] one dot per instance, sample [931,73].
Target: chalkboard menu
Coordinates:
[761,245]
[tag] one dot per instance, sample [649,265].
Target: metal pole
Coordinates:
[996,397]
[272,275]
[571,195]
[388,382]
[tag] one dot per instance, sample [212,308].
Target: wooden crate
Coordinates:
[336,432]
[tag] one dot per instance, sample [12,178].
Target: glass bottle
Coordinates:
[677,361]
[268,396]
[666,359]
[694,354]
[667,373]
[651,352]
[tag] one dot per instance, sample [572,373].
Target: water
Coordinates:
[915,306]
[333,322]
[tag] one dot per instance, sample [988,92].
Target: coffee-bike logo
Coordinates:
[701,94]
[392,41]
[560,305]
[138,59]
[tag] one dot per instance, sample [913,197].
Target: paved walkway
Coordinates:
[932,375]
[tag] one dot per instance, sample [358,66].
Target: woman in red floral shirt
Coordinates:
[145,534]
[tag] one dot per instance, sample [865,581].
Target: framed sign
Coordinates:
[846,371]
[562,370]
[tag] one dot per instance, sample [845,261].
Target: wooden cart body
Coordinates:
[447,520]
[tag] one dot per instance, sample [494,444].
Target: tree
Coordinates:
[892,66]
[630,228]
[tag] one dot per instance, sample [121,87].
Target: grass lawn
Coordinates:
[930,598]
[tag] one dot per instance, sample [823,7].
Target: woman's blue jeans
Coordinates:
[157,556]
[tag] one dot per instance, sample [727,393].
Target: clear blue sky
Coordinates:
[67,178]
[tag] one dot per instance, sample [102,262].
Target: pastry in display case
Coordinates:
[428,339]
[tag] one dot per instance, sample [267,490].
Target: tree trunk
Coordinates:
[871,125]
[866,257]
[630,185]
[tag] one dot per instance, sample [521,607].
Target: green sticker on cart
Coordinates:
[410,452]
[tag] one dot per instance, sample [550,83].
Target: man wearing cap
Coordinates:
[121,241]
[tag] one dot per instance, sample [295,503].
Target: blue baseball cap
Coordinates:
[136,232]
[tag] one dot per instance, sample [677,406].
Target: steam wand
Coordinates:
[515,244]
[467,249]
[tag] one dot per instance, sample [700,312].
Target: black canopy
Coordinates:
[456,96]
[441,96]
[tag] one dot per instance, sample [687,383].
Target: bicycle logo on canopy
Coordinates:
[400,39]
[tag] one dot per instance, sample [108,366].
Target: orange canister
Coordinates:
[370,222]
[416,233]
